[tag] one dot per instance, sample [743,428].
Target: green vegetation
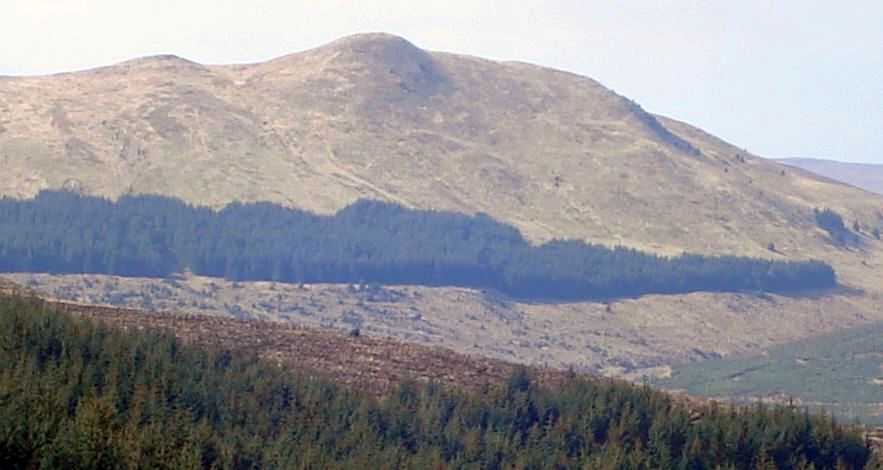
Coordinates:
[367,242]
[839,371]
[75,394]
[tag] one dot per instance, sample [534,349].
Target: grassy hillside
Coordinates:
[115,399]
[841,372]
[373,116]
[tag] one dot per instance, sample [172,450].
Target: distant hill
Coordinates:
[867,176]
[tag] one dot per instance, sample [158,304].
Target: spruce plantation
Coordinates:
[367,242]
[78,394]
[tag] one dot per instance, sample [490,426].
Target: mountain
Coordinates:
[868,176]
[554,154]
[373,116]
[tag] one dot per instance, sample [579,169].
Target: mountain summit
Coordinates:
[374,116]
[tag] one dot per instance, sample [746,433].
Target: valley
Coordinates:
[839,373]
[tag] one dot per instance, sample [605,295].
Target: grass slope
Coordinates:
[842,372]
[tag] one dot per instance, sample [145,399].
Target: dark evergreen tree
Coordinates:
[366,242]
[76,394]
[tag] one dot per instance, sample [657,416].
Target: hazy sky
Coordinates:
[781,78]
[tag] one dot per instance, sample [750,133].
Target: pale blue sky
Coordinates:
[781,78]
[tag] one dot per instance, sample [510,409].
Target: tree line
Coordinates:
[366,242]
[78,394]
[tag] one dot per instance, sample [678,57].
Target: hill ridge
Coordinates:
[867,176]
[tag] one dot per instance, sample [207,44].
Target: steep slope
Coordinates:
[373,116]
[868,176]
